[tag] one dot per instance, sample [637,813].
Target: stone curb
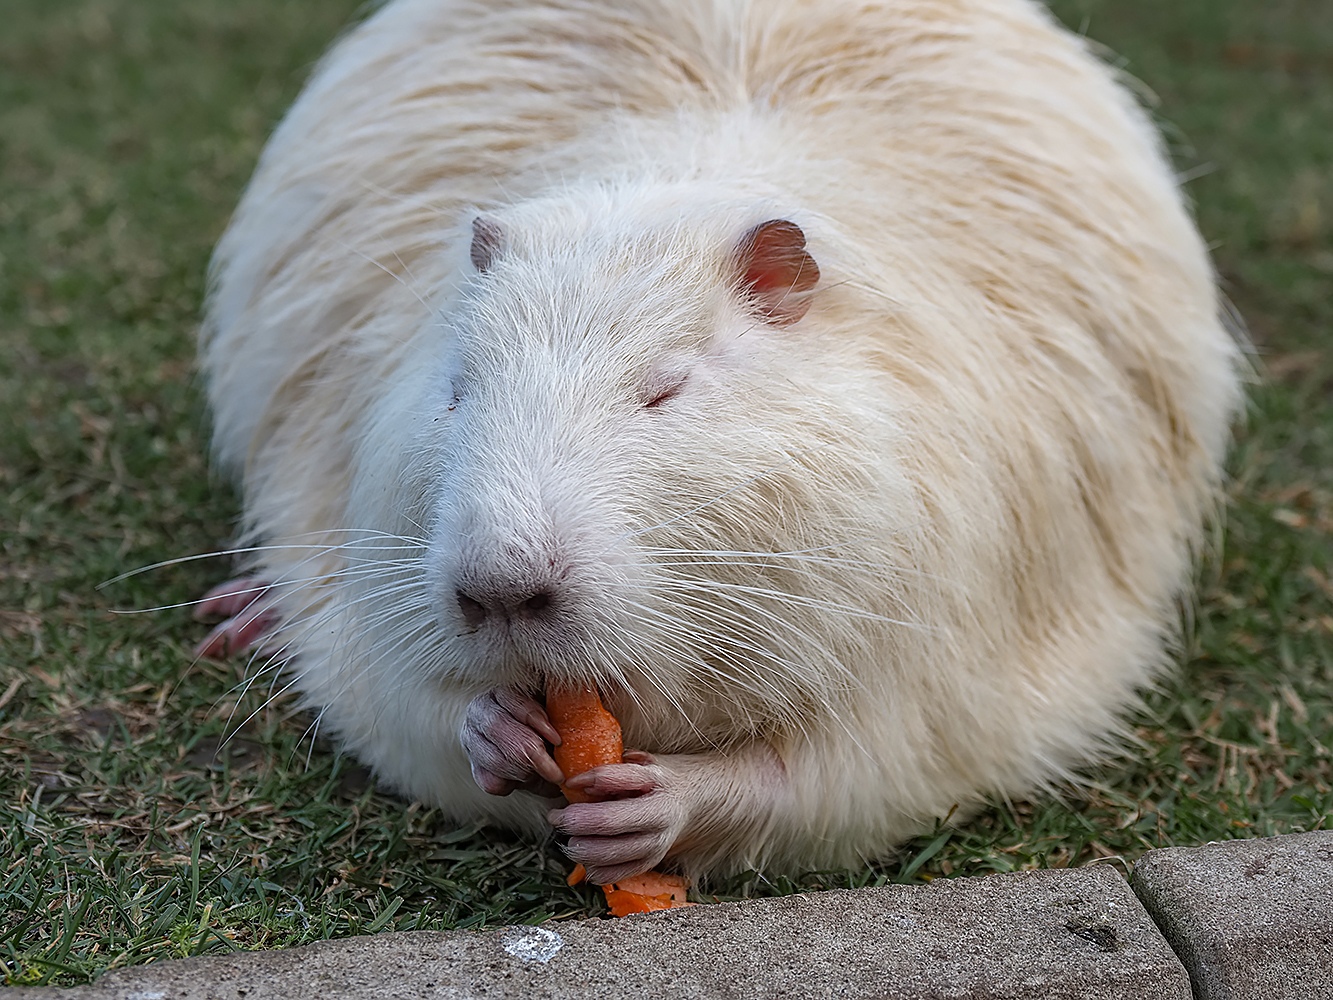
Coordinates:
[1251,919]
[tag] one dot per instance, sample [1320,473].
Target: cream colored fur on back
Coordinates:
[985,457]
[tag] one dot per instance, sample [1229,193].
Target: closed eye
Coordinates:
[659,395]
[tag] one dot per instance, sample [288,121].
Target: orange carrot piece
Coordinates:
[640,893]
[590,737]
[657,884]
[622,902]
[646,893]
[589,734]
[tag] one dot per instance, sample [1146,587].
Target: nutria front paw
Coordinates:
[505,733]
[637,815]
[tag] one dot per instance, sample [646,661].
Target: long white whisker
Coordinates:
[252,549]
[748,675]
[723,588]
[371,568]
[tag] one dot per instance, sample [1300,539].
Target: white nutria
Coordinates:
[838,386]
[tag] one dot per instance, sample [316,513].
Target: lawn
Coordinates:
[132,830]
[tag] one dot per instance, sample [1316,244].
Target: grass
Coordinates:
[130,832]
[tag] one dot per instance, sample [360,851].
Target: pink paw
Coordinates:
[248,617]
[636,820]
[505,733]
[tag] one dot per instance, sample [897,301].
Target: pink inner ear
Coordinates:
[776,271]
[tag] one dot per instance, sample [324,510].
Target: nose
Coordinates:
[502,602]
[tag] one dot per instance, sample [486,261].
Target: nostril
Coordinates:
[536,603]
[474,612]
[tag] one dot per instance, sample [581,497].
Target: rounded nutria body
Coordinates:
[838,386]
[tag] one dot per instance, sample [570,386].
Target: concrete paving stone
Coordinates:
[1044,935]
[1249,918]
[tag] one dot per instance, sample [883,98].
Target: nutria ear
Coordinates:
[487,242]
[776,273]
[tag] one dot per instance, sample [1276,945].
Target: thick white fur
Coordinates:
[921,547]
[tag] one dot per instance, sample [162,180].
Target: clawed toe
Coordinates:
[246,622]
[228,600]
[236,635]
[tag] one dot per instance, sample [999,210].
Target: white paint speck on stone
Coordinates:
[146,995]
[532,944]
